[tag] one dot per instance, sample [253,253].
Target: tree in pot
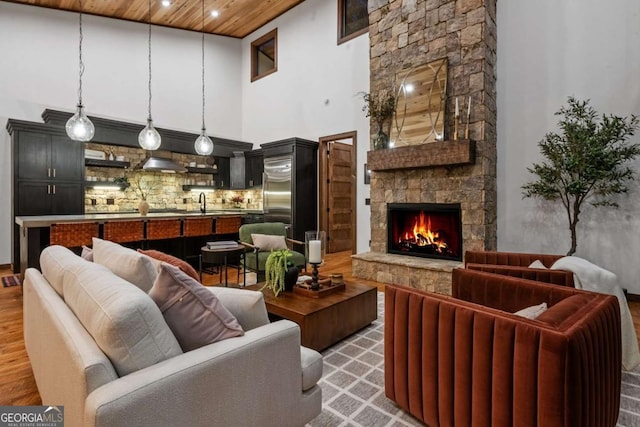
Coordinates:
[280,273]
[587,162]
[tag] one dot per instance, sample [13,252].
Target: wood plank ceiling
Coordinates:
[237,18]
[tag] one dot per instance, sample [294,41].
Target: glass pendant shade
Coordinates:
[79,127]
[149,138]
[203,144]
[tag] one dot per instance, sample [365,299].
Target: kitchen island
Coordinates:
[35,231]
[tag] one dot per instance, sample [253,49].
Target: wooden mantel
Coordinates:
[432,154]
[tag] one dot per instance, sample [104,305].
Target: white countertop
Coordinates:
[47,220]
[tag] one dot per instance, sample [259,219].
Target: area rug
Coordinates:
[8,281]
[353,385]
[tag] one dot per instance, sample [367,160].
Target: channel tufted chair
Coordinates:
[516,264]
[467,360]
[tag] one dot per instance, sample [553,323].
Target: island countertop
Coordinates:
[47,220]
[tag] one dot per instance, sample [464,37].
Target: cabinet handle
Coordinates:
[48,189]
[54,189]
[54,174]
[48,172]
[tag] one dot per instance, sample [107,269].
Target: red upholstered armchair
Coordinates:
[466,360]
[516,264]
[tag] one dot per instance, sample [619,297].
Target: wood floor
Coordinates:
[18,386]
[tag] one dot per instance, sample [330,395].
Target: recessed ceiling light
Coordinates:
[166,3]
[215,13]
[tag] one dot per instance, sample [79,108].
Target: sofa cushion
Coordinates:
[54,261]
[532,312]
[87,253]
[170,259]
[311,367]
[132,266]
[121,318]
[268,242]
[247,306]
[537,264]
[194,314]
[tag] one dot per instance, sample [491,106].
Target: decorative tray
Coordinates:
[326,288]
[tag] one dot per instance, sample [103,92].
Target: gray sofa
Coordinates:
[263,378]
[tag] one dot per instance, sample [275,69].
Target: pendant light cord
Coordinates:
[149,19]
[202,30]
[81,64]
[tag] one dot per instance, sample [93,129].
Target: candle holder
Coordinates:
[315,286]
[314,244]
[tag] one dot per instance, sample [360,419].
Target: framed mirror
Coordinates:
[419,116]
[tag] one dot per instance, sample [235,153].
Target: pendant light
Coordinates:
[79,127]
[203,144]
[149,138]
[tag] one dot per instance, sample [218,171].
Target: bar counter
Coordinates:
[35,230]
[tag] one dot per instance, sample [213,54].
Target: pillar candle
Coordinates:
[315,251]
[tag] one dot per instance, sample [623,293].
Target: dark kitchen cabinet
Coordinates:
[47,174]
[223,179]
[45,198]
[254,168]
[49,157]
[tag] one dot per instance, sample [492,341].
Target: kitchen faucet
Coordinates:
[203,206]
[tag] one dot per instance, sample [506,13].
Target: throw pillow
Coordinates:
[533,311]
[194,314]
[87,253]
[170,259]
[268,242]
[122,319]
[126,263]
[537,264]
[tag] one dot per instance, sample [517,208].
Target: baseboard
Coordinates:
[632,297]
[3,266]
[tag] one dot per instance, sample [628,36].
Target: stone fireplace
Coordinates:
[406,33]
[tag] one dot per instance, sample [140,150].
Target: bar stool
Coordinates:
[73,234]
[195,227]
[123,231]
[159,229]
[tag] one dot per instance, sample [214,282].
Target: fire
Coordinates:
[422,235]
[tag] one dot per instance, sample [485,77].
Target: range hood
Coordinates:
[162,164]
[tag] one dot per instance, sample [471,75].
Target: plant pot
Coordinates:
[143,207]
[290,278]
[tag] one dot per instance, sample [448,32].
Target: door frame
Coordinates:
[323,152]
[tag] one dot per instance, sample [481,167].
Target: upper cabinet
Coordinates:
[49,157]
[253,169]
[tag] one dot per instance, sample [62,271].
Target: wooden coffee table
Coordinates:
[327,320]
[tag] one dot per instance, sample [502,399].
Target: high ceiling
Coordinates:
[237,18]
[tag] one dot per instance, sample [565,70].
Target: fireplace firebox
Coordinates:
[430,230]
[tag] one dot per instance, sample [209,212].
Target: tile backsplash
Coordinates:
[163,190]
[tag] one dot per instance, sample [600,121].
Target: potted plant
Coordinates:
[380,108]
[280,273]
[589,161]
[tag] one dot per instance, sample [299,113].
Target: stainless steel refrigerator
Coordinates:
[277,187]
[290,184]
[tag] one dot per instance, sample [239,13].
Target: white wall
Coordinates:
[547,51]
[39,69]
[314,93]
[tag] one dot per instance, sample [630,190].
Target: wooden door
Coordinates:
[340,196]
